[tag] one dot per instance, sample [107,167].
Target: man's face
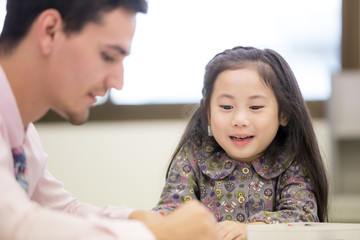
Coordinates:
[86,64]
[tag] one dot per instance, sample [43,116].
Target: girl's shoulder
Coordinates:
[273,169]
[211,161]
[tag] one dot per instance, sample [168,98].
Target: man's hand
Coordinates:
[230,230]
[190,221]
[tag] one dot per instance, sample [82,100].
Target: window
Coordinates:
[176,39]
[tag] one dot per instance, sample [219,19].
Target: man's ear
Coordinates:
[49,29]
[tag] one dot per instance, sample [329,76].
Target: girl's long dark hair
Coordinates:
[298,137]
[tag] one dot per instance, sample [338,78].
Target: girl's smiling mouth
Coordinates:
[241,141]
[241,138]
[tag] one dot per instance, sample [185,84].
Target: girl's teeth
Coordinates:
[240,138]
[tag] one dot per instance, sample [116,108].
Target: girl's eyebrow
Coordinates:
[225,95]
[258,96]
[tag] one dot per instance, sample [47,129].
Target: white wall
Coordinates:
[120,163]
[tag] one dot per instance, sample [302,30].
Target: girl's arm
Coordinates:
[181,184]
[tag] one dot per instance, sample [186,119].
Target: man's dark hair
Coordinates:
[75,14]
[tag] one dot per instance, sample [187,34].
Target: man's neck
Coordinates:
[22,73]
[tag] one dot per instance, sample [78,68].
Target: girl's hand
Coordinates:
[229,230]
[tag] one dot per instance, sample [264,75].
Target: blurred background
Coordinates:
[120,155]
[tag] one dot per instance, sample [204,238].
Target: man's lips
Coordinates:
[93,96]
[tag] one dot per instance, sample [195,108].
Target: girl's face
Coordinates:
[243,114]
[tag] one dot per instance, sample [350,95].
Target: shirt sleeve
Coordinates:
[51,193]
[52,213]
[181,184]
[295,200]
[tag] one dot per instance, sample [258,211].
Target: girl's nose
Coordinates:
[240,119]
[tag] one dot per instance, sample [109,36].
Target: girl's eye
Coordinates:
[226,107]
[256,107]
[107,57]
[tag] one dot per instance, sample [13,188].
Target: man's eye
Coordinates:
[226,107]
[107,57]
[256,107]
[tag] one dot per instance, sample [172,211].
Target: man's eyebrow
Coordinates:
[121,50]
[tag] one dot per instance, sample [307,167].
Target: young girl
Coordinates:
[249,152]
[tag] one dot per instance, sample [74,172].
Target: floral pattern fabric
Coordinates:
[239,191]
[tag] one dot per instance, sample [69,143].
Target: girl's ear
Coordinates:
[284,120]
[49,28]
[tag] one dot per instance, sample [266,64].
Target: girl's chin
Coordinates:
[245,158]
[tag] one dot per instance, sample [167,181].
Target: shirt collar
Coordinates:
[218,165]
[10,112]
[267,170]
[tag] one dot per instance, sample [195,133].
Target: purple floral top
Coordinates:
[239,191]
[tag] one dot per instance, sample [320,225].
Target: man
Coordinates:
[60,55]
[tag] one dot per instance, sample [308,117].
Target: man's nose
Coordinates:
[116,78]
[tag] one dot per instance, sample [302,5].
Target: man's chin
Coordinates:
[77,121]
[76,118]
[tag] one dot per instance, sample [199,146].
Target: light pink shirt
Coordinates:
[48,211]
